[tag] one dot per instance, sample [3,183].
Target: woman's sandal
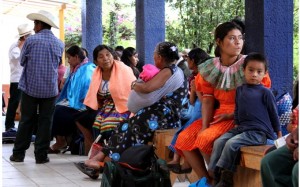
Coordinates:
[91,172]
[53,151]
[176,168]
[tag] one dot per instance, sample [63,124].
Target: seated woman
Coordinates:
[130,58]
[106,98]
[194,58]
[218,80]
[70,100]
[163,114]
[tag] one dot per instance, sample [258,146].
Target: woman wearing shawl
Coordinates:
[169,88]
[70,100]
[106,98]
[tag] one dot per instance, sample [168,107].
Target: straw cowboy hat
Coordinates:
[45,17]
[24,30]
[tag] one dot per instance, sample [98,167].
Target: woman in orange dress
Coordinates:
[217,81]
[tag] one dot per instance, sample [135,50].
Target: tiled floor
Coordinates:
[60,171]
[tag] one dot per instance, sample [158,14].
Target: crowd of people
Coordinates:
[219,104]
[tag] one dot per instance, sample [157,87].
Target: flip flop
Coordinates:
[91,172]
[176,168]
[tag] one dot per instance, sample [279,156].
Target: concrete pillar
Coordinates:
[150,28]
[92,30]
[269,30]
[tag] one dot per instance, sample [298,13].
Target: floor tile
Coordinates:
[59,172]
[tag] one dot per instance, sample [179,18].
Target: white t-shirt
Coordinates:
[15,67]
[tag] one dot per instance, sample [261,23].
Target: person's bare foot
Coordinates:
[173,162]
[58,146]
[92,164]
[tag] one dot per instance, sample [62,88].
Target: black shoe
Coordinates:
[14,158]
[42,161]
[91,172]
[226,179]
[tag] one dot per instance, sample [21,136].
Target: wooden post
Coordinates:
[62,28]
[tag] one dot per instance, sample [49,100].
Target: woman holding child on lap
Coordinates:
[218,79]
[166,89]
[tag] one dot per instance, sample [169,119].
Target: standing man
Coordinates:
[15,74]
[40,57]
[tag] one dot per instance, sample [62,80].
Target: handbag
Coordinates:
[188,109]
[142,159]
[284,109]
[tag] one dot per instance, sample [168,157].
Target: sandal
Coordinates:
[91,172]
[56,151]
[176,168]
[52,151]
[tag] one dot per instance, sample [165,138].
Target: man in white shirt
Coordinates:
[15,74]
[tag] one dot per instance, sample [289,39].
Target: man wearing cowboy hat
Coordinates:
[40,57]
[15,74]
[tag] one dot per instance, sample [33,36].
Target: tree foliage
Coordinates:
[296,40]
[197,20]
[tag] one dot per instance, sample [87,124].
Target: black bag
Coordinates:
[140,156]
[138,167]
[110,176]
[156,176]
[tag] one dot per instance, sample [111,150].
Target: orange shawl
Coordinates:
[119,86]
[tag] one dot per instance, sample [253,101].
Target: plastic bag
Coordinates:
[95,148]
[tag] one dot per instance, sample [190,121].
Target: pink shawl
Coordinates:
[119,86]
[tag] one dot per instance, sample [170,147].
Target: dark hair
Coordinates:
[119,48]
[115,55]
[296,94]
[45,25]
[239,22]
[257,57]
[100,48]
[198,55]
[222,30]
[127,53]
[75,50]
[168,51]
[86,52]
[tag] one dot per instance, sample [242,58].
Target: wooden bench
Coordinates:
[162,139]
[247,174]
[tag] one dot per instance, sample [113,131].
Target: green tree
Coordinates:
[296,40]
[197,20]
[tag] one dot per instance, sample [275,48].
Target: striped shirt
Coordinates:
[40,57]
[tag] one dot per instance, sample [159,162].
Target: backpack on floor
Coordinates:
[110,176]
[144,169]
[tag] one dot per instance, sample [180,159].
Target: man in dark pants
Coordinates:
[40,57]
[15,74]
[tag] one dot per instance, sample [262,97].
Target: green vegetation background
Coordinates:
[189,23]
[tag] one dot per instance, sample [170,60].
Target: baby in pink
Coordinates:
[149,71]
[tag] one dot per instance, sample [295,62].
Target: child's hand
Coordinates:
[292,140]
[221,117]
